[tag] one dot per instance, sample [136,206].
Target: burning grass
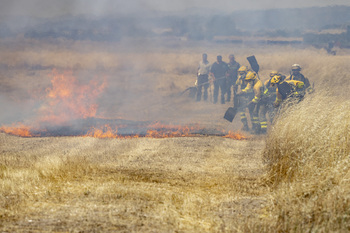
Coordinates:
[94,127]
[203,184]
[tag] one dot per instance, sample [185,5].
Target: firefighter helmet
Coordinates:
[296,67]
[243,69]
[273,73]
[276,79]
[300,85]
[250,76]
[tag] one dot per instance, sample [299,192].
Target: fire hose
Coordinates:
[194,88]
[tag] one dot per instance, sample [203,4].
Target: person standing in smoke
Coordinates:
[255,86]
[218,70]
[267,100]
[232,75]
[298,76]
[203,78]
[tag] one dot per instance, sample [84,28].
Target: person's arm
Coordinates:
[278,99]
[258,92]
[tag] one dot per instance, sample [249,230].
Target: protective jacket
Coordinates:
[299,77]
[257,87]
[269,89]
[240,82]
[288,88]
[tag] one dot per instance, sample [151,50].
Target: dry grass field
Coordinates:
[294,179]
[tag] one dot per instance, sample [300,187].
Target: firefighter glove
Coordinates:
[251,104]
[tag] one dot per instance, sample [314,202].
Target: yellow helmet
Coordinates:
[300,85]
[276,79]
[243,69]
[250,76]
[273,73]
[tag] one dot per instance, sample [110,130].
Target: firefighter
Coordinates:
[255,86]
[242,97]
[267,99]
[242,72]
[296,75]
[287,89]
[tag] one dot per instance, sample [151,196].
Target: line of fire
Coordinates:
[69,109]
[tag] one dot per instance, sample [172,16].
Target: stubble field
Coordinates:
[183,184]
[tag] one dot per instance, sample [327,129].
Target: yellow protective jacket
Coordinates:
[297,89]
[269,89]
[240,82]
[301,78]
[257,87]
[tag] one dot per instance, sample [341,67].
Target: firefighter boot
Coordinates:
[263,127]
[256,125]
[256,128]
[245,128]
[245,123]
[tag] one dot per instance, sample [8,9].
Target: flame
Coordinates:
[158,130]
[68,99]
[155,130]
[18,130]
[234,135]
[106,132]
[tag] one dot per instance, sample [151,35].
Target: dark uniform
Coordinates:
[219,69]
[232,75]
[297,76]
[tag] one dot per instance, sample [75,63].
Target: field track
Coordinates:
[89,184]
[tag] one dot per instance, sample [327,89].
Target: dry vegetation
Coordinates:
[88,184]
[308,153]
[294,180]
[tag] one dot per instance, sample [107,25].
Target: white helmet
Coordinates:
[296,67]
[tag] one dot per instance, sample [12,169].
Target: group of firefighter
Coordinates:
[261,99]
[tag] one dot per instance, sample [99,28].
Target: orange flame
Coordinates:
[68,99]
[157,130]
[19,130]
[106,132]
[236,136]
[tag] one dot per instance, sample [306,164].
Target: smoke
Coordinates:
[52,8]
[147,51]
[14,111]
